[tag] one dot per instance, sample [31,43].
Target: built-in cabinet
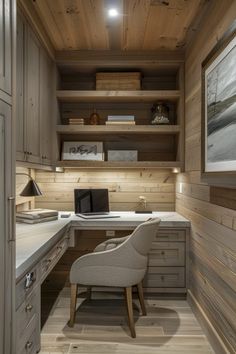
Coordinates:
[5,46]
[7,200]
[34,97]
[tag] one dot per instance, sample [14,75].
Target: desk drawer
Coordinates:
[50,260]
[26,285]
[167,254]
[165,277]
[30,342]
[26,312]
[167,235]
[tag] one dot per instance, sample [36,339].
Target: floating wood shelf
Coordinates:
[117,96]
[118,164]
[117,129]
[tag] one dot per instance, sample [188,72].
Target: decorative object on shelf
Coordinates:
[118,81]
[83,150]
[160,113]
[76,121]
[219,107]
[31,189]
[122,155]
[94,118]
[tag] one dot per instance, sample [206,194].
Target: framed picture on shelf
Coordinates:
[219,108]
[83,150]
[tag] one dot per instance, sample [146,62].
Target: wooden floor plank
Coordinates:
[101,327]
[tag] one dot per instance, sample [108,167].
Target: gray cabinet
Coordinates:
[7,247]
[45,107]
[34,97]
[5,46]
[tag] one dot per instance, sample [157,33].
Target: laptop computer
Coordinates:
[92,203]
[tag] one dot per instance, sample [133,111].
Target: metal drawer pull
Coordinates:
[29,308]
[29,280]
[28,345]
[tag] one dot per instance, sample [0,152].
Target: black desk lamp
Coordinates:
[31,189]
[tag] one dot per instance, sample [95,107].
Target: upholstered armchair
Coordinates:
[118,262]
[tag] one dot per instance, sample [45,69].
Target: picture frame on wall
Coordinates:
[219,108]
[83,150]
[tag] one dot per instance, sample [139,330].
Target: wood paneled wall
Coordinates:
[213,235]
[125,187]
[23,203]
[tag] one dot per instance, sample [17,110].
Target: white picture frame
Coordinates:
[82,150]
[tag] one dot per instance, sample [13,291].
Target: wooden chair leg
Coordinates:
[129,305]
[73,298]
[141,298]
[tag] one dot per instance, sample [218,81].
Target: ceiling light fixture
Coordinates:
[113,12]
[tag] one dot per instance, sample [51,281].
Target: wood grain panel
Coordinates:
[78,25]
[210,209]
[124,186]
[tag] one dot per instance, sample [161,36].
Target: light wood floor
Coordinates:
[101,327]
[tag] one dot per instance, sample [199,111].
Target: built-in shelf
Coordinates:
[118,164]
[117,129]
[118,96]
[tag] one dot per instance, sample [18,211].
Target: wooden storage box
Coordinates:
[118,81]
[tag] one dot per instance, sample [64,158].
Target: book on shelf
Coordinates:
[120,123]
[35,214]
[36,221]
[76,121]
[121,118]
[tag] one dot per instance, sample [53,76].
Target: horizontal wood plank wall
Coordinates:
[213,235]
[125,187]
[23,203]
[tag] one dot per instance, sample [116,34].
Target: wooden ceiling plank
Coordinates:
[48,20]
[95,23]
[135,21]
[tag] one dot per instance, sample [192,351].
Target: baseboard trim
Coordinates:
[212,335]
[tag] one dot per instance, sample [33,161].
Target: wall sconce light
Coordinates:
[31,189]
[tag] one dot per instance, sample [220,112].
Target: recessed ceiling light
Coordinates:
[113,12]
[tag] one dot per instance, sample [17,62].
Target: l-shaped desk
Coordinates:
[40,246]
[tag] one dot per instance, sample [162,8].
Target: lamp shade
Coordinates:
[31,189]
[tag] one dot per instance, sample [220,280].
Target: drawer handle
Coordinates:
[29,280]
[59,248]
[28,345]
[162,278]
[162,253]
[29,308]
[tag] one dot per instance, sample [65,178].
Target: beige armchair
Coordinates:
[118,262]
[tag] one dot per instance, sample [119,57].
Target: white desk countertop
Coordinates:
[33,241]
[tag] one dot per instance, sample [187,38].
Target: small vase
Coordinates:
[94,118]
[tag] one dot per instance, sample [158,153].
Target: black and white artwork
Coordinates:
[220,111]
[82,150]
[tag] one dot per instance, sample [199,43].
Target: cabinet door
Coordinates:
[7,244]
[46,71]
[5,46]
[20,141]
[32,97]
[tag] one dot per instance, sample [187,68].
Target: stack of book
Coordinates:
[35,216]
[121,119]
[76,121]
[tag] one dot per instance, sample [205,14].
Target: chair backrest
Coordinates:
[142,237]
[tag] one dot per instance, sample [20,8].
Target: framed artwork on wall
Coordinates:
[83,150]
[219,108]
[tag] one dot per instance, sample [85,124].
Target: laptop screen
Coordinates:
[91,200]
